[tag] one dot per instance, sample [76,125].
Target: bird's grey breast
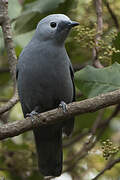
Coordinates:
[45,76]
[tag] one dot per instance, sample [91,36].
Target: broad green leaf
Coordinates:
[26,22]
[33,12]
[42,6]
[92,81]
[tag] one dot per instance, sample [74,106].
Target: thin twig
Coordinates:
[108,167]
[105,123]
[75,139]
[97,121]
[9,104]
[12,59]
[114,17]
[6,28]
[87,146]
[92,140]
[98,7]
[104,126]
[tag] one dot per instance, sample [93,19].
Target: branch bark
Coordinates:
[12,59]
[6,28]
[53,116]
[98,7]
[114,17]
[9,104]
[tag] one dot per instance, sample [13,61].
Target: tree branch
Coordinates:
[6,28]
[87,146]
[12,59]
[53,116]
[98,7]
[97,121]
[9,104]
[114,17]
[75,139]
[105,123]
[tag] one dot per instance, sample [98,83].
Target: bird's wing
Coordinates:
[16,71]
[72,77]
[69,124]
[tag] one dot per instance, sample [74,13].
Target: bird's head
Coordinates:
[55,27]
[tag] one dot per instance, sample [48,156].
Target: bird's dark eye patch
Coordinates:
[53,24]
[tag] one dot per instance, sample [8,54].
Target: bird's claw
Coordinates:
[63,106]
[31,114]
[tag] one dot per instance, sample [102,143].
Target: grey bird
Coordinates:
[45,79]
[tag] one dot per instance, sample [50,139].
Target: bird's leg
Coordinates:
[32,113]
[63,106]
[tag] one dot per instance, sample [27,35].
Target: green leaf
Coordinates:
[42,6]
[26,22]
[33,12]
[92,81]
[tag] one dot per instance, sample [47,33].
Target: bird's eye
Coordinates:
[53,24]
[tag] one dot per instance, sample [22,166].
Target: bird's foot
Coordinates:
[31,114]
[63,106]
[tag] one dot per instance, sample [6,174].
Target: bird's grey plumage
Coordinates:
[45,78]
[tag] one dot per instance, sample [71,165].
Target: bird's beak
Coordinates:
[74,23]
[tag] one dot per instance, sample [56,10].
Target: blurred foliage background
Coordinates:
[17,155]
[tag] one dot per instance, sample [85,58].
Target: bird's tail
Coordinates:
[49,148]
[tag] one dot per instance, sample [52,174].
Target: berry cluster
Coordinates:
[109,149]
[86,37]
